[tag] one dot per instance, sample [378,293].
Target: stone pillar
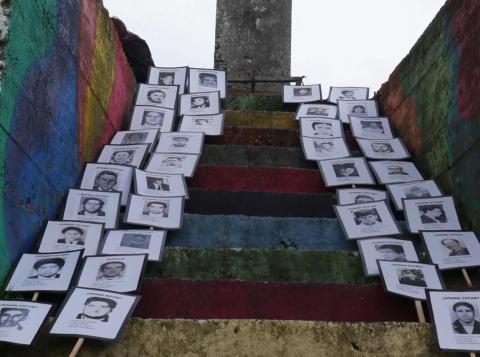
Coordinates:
[253,39]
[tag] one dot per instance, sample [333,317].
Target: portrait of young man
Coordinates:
[12,317]
[432,214]
[152,119]
[134,138]
[97,309]
[156,183]
[92,206]
[392,252]
[48,268]
[455,247]
[105,181]
[322,128]
[366,218]
[207,80]
[72,235]
[135,240]
[345,170]
[113,270]
[413,277]
[199,102]
[156,209]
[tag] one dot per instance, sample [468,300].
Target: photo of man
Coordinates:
[48,268]
[396,170]
[97,309]
[113,270]
[455,246]
[364,199]
[465,322]
[156,96]
[92,207]
[122,157]
[166,78]
[155,183]
[302,92]
[366,217]
[432,214]
[105,181]
[392,252]
[347,95]
[345,170]
[156,209]
[413,277]
[202,122]
[72,235]
[152,119]
[323,147]
[322,129]
[12,317]
[382,147]
[372,127]
[319,111]
[199,102]
[207,80]
[179,141]
[135,240]
[134,138]
[173,161]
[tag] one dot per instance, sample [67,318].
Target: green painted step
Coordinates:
[250,101]
[259,119]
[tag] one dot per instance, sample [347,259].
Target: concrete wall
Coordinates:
[253,38]
[432,99]
[65,89]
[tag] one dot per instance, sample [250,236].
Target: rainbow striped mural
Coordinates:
[66,88]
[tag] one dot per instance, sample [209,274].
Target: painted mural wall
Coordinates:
[432,98]
[65,89]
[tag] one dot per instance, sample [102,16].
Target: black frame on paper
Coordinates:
[337,194]
[121,328]
[384,141]
[372,183]
[425,246]
[127,212]
[180,86]
[347,88]
[297,117]
[132,112]
[41,326]
[17,261]
[434,325]
[224,87]
[203,94]
[364,261]
[140,277]
[303,85]
[344,230]
[408,183]
[135,181]
[142,160]
[430,198]
[190,174]
[159,258]
[65,200]
[175,105]
[439,275]
[222,115]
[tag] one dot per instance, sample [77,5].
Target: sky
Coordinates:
[334,42]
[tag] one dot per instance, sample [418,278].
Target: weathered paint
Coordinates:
[256,137]
[260,119]
[66,88]
[432,99]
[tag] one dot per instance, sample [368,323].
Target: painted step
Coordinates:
[226,338]
[255,101]
[267,156]
[257,203]
[260,120]
[225,299]
[256,137]
[238,231]
[276,179]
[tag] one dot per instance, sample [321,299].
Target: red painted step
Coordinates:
[258,179]
[189,299]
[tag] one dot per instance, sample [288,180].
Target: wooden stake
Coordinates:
[35,296]
[467,277]
[420,314]
[77,347]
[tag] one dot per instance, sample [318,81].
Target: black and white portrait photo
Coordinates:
[132,155]
[184,164]
[395,171]
[135,241]
[416,189]
[160,212]
[357,108]
[148,117]
[371,128]
[346,196]
[205,103]
[316,111]
[44,271]
[207,80]
[21,321]
[211,125]
[71,235]
[409,279]
[93,206]
[168,76]
[323,149]
[108,178]
[366,220]
[394,250]
[157,95]
[302,93]
[452,249]
[431,214]
[321,128]
[180,142]
[383,149]
[456,319]
[96,314]
[347,93]
[134,137]
[351,171]
[120,273]
[155,184]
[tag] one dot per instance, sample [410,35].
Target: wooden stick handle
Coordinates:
[77,347]
[473,354]
[467,277]
[420,313]
[35,296]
